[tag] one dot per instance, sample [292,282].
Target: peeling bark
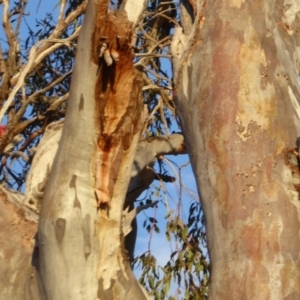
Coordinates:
[238,97]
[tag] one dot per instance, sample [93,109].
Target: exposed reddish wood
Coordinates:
[118,98]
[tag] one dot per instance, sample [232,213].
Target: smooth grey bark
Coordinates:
[19,212]
[80,244]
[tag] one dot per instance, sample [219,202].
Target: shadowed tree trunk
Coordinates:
[18,276]
[237,94]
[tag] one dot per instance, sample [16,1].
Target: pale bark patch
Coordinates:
[134,9]
[254,103]
[236,3]
[292,11]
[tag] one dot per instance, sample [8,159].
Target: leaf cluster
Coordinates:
[188,266]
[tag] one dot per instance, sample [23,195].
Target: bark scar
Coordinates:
[117,97]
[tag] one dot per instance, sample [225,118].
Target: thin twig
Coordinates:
[55,35]
[20,16]
[61,12]
[162,14]
[33,97]
[151,55]
[33,59]
[155,109]
[162,116]
[156,75]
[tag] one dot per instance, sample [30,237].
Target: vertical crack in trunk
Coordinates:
[119,120]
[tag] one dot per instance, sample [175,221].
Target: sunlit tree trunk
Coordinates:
[237,94]
[80,238]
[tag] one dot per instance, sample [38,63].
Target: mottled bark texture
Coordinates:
[237,94]
[18,277]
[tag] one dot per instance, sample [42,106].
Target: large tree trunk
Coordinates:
[238,97]
[80,238]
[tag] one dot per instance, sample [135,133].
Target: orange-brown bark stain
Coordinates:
[117,95]
[240,112]
[222,106]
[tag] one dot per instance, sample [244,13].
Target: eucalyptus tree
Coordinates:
[235,88]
